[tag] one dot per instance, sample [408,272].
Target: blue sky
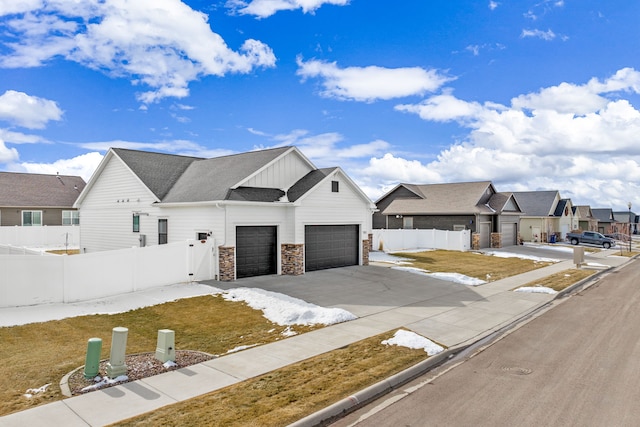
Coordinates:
[531,95]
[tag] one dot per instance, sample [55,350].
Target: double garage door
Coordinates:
[326,246]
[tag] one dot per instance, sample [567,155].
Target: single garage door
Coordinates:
[330,246]
[256,251]
[509,234]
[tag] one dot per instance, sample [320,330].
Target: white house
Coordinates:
[268,212]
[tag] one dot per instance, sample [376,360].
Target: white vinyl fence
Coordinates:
[47,236]
[31,280]
[398,240]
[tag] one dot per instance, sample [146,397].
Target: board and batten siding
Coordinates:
[271,214]
[281,174]
[107,210]
[324,207]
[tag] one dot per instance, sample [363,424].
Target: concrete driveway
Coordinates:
[363,290]
[556,251]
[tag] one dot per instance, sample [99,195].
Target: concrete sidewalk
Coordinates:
[382,298]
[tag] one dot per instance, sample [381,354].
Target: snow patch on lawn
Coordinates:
[412,340]
[285,310]
[450,277]
[521,256]
[32,391]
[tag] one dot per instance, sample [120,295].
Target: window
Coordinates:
[335,186]
[70,218]
[31,218]
[162,231]
[136,223]
[202,236]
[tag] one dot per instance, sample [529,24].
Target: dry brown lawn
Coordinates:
[562,280]
[42,353]
[38,354]
[472,264]
[291,393]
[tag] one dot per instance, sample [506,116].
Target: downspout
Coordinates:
[216,252]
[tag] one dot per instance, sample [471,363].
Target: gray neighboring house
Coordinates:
[28,199]
[606,221]
[266,212]
[626,222]
[492,217]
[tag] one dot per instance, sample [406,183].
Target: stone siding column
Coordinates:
[496,240]
[366,249]
[227,263]
[475,241]
[292,259]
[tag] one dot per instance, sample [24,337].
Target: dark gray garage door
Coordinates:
[330,246]
[256,251]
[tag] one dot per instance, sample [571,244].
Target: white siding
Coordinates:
[108,208]
[324,207]
[282,174]
[185,222]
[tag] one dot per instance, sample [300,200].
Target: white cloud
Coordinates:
[163,45]
[370,83]
[266,8]
[83,165]
[7,155]
[579,139]
[328,149]
[21,138]
[544,35]
[27,111]
[493,5]
[18,6]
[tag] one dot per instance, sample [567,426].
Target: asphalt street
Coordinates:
[578,364]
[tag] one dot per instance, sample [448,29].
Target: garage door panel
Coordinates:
[256,253]
[509,234]
[331,246]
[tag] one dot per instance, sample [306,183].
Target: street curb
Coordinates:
[374,391]
[387,385]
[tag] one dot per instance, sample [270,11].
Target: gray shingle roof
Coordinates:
[158,171]
[536,203]
[454,198]
[603,214]
[178,179]
[255,194]
[211,179]
[37,190]
[584,211]
[307,182]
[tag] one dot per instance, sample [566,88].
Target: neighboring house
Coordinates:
[606,221]
[267,212]
[28,199]
[477,206]
[626,222]
[586,220]
[545,214]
